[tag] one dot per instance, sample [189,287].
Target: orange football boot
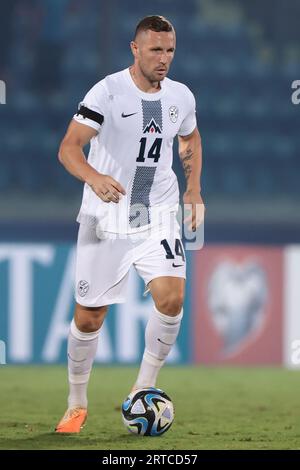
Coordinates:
[72,421]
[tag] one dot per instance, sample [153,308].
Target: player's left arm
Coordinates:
[190,153]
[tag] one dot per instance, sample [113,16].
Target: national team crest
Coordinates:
[173,113]
[82,288]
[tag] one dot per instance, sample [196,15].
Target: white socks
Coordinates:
[160,335]
[82,349]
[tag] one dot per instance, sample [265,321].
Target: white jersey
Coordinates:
[134,145]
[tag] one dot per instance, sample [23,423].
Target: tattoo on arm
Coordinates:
[185,158]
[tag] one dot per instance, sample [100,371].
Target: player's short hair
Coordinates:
[154,23]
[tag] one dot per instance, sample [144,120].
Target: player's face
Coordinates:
[154,53]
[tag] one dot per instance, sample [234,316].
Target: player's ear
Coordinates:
[134,48]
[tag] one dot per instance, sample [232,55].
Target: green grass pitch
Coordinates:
[215,408]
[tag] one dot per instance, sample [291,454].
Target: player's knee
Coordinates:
[90,319]
[170,304]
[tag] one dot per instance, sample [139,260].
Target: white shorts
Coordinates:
[102,265]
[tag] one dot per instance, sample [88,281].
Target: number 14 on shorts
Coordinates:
[178,249]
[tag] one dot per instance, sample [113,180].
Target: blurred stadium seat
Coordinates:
[245,113]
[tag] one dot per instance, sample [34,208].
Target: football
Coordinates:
[148,412]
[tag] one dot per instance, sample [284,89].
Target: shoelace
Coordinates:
[73,413]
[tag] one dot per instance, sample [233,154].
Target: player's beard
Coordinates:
[154,77]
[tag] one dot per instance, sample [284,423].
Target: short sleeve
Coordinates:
[189,122]
[93,108]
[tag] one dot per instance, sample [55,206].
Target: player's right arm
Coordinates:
[72,157]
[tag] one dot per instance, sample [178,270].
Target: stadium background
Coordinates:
[240,59]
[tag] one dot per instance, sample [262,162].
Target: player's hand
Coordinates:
[107,188]
[194,209]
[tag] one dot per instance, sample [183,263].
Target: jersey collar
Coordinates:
[146,96]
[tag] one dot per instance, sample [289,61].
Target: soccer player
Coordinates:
[130,200]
